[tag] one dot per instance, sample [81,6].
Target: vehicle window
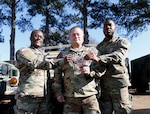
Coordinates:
[0,70]
[14,72]
[4,69]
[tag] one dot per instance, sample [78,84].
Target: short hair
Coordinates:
[109,19]
[33,32]
[74,28]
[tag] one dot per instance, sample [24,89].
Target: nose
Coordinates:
[108,26]
[76,35]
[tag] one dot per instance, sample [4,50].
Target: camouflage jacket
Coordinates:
[68,79]
[112,55]
[33,72]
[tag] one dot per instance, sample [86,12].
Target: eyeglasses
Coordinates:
[38,36]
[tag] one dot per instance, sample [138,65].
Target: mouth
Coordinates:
[75,39]
[109,30]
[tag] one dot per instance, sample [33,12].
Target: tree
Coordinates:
[13,28]
[54,19]
[82,7]
[8,18]
[131,16]
[1,37]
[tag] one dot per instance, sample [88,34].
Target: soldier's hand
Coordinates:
[85,69]
[91,56]
[68,58]
[60,99]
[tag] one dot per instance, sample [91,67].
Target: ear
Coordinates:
[69,36]
[30,38]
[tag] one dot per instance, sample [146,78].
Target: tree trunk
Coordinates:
[86,37]
[47,25]
[12,36]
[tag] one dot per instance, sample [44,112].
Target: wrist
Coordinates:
[92,74]
[96,59]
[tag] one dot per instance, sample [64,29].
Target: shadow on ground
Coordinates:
[135,92]
[141,111]
[141,101]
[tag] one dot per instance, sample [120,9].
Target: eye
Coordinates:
[38,36]
[109,24]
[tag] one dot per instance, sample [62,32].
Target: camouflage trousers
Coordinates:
[115,101]
[31,106]
[88,105]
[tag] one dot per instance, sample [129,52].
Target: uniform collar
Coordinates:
[111,40]
[77,49]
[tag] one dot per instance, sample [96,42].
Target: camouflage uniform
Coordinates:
[30,98]
[78,89]
[114,83]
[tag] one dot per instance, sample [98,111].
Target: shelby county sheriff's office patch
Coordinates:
[28,54]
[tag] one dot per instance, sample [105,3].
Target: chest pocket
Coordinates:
[107,48]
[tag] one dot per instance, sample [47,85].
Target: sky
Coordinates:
[140,45]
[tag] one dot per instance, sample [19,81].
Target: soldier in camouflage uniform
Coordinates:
[114,83]
[30,98]
[73,83]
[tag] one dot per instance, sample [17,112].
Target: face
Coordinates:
[109,28]
[76,36]
[37,38]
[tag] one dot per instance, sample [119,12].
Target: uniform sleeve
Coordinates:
[57,86]
[26,57]
[97,70]
[118,54]
[94,50]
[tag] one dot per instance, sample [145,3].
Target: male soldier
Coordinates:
[30,98]
[73,83]
[114,83]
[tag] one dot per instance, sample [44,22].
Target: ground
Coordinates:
[141,102]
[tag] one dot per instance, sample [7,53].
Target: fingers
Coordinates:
[85,69]
[89,56]
[60,99]
[86,57]
[69,58]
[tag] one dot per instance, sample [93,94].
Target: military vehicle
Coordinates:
[9,75]
[140,73]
